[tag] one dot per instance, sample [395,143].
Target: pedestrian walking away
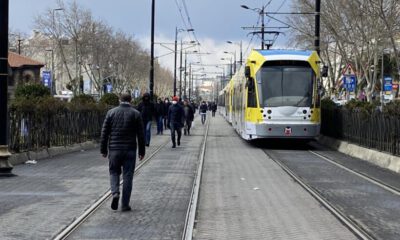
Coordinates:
[167,104]
[160,113]
[146,109]
[189,116]
[213,108]
[121,135]
[203,112]
[175,120]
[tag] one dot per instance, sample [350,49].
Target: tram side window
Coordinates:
[251,94]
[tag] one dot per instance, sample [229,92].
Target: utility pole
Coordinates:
[175,59]
[190,79]
[180,73]
[184,85]
[151,84]
[317,25]
[5,166]
[262,27]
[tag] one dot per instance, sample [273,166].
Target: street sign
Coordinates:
[46,78]
[350,82]
[348,70]
[349,78]
[388,85]
[109,87]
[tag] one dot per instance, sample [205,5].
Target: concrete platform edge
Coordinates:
[20,158]
[380,159]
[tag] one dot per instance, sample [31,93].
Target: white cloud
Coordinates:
[209,53]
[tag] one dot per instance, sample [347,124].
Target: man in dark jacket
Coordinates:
[175,120]
[146,109]
[160,113]
[121,127]
[167,104]
[213,108]
[189,116]
[203,112]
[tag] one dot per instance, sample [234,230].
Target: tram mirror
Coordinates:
[250,84]
[247,72]
[324,72]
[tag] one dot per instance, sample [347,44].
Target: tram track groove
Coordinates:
[355,228]
[193,202]
[370,179]
[77,222]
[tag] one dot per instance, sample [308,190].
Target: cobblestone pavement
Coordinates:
[245,195]
[383,175]
[161,194]
[372,207]
[45,197]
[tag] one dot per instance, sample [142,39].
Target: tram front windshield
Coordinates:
[285,86]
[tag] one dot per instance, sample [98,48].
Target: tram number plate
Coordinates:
[288,131]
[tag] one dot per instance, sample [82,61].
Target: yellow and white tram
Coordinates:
[275,95]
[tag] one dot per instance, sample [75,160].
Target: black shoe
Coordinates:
[115,201]
[147,144]
[126,208]
[174,146]
[179,142]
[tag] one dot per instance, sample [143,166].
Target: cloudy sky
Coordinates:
[214,22]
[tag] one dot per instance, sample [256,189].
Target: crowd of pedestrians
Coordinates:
[127,130]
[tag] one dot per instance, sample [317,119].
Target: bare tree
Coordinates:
[355,32]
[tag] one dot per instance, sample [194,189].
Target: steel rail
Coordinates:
[370,179]
[192,208]
[357,230]
[68,230]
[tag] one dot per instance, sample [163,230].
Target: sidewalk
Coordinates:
[43,198]
[161,194]
[245,195]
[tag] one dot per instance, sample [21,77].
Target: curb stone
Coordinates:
[381,159]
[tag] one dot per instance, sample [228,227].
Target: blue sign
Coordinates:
[109,87]
[46,78]
[350,82]
[388,84]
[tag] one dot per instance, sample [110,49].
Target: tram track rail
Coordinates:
[77,222]
[354,227]
[365,176]
[192,208]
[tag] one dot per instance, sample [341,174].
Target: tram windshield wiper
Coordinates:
[302,100]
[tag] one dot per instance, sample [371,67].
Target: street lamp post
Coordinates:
[5,166]
[241,51]
[151,83]
[180,72]
[234,59]
[230,60]
[184,81]
[262,13]
[176,51]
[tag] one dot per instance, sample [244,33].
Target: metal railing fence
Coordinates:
[31,131]
[375,130]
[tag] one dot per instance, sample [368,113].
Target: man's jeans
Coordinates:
[175,127]
[124,159]
[147,132]
[160,125]
[203,117]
